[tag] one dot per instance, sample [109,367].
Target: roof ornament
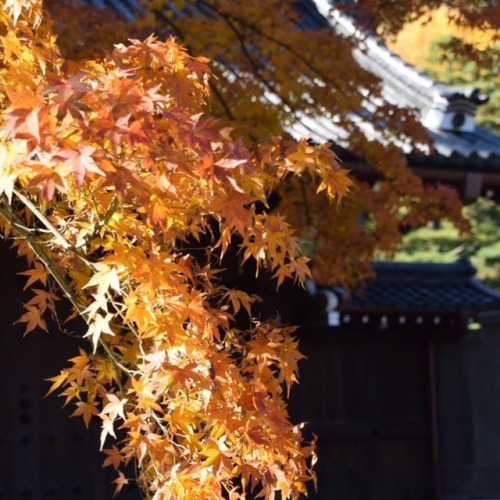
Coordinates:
[454,108]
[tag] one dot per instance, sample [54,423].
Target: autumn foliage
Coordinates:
[278,69]
[110,173]
[126,196]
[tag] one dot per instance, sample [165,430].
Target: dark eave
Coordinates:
[424,286]
[425,298]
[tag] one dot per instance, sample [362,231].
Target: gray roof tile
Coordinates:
[424,286]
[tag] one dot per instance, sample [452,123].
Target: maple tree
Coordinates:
[113,171]
[109,170]
[278,68]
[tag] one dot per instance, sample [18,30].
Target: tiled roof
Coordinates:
[447,112]
[424,286]
[443,299]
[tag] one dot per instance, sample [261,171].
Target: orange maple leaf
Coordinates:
[37,273]
[120,481]
[86,409]
[33,319]
[113,458]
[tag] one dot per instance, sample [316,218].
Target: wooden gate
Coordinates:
[366,398]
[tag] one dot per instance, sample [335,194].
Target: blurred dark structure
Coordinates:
[401,386]
[44,454]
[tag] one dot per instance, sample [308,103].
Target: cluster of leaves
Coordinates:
[278,66]
[389,18]
[110,171]
[113,171]
[442,242]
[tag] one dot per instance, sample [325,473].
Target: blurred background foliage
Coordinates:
[442,242]
[436,47]
[446,52]
[445,63]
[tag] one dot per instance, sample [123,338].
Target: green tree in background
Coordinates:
[442,242]
[448,61]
